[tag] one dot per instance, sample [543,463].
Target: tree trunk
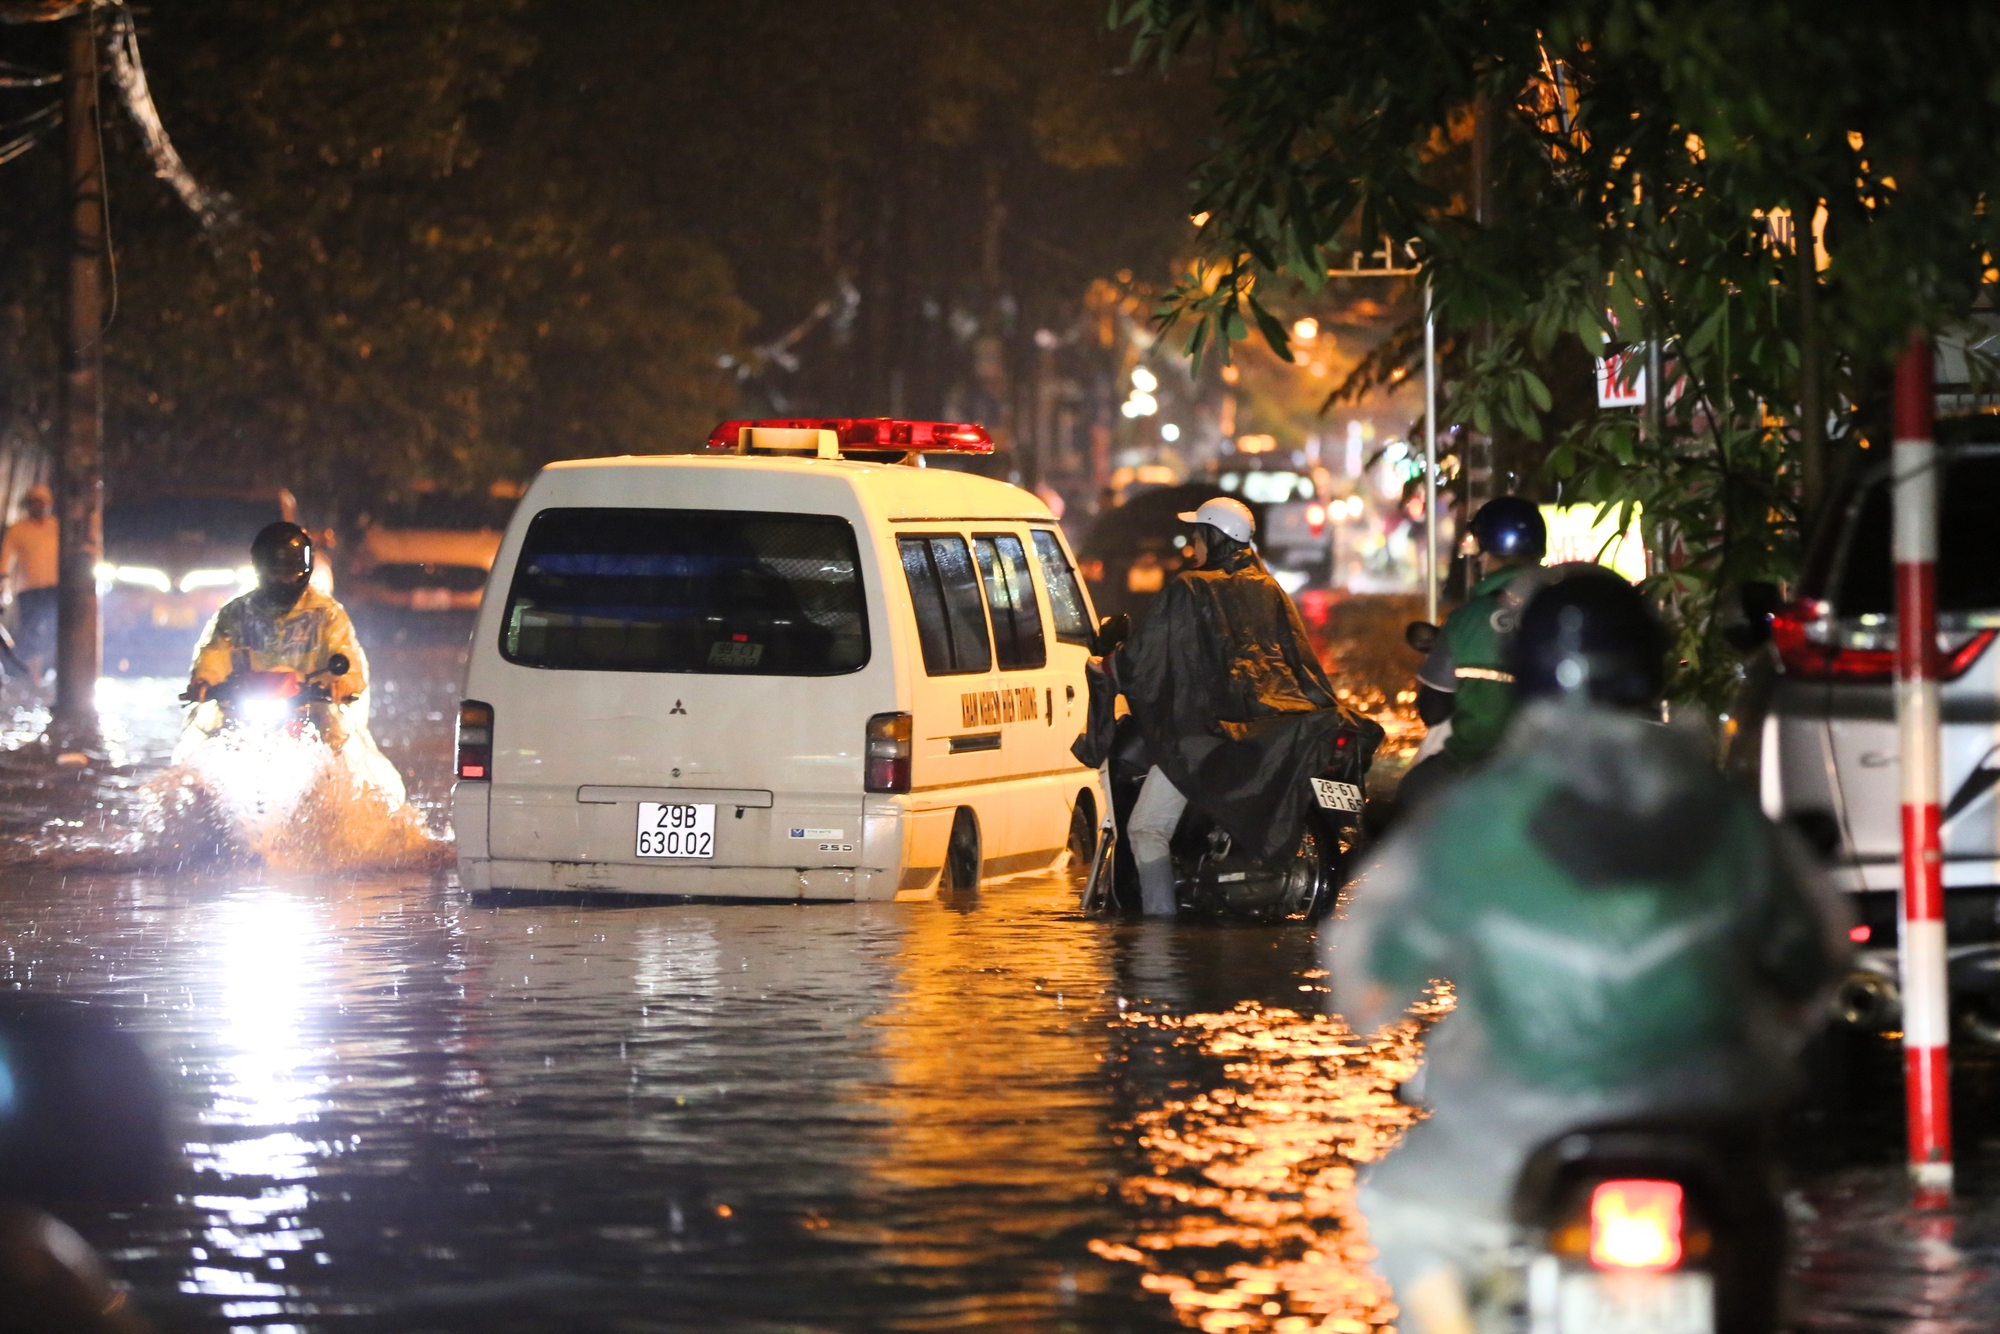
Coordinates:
[80,454]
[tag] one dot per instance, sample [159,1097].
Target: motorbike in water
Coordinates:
[273,768]
[269,701]
[1668,1228]
[1214,878]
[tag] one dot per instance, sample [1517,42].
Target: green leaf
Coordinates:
[1274,332]
[1538,392]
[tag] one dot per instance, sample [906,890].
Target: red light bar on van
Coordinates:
[882,433]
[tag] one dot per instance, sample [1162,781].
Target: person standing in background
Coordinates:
[28,568]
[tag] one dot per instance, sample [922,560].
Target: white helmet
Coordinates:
[1228,516]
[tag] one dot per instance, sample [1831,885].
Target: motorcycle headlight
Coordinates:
[267,712]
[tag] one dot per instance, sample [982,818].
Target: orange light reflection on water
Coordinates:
[1252,1182]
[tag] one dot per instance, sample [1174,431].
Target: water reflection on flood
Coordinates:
[400,1110]
[1248,1194]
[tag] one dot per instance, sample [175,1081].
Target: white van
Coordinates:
[775,672]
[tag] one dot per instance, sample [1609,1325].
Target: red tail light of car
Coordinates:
[1636,1225]
[1799,631]
[887,765]
[475,741]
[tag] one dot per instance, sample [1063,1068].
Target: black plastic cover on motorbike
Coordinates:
[1235,706]
[1100,720]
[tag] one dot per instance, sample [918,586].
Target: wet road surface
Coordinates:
[402,1110]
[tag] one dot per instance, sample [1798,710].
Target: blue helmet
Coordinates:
[1510,526]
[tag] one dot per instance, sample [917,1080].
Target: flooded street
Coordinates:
[402,1110]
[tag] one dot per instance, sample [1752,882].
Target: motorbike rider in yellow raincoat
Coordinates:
[284,625]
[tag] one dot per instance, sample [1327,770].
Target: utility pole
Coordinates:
[1430,460]
[1926,997]
[80,459]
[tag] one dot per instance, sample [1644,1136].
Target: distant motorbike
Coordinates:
[270,701]
[1669,1228]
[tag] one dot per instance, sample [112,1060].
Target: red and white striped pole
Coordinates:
[1926,994]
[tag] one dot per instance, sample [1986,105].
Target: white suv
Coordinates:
[1816,724]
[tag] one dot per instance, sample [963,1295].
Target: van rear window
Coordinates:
[1968,566]
[727,592]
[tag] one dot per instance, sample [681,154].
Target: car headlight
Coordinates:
[142,576]
[194,579]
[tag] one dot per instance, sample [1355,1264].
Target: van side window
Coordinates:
[951,625]
[1010,592]
[1065,598]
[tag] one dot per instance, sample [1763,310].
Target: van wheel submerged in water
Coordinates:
[1082,831]
[961,856]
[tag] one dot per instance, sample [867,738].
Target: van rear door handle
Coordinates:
[605,795]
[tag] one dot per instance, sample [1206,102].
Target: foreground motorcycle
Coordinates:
[1667,1228]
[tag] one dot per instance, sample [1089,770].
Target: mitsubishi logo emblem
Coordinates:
[677,708]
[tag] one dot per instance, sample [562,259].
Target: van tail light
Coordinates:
[1797,627]
[475,741]
[888,754]
[1635,1225]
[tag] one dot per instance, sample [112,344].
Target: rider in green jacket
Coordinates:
[1625,934]
[1464,687]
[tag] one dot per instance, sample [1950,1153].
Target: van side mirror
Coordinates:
[1744,616]
[1112,631]
[337,665]
[1421,635]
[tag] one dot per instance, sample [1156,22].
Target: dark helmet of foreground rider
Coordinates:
[1590,635]
[1510,526]
[282,555]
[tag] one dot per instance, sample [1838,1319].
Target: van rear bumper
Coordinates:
[826,884]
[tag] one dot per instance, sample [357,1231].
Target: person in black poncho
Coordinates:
[1235,708]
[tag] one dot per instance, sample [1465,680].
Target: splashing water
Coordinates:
[285,798]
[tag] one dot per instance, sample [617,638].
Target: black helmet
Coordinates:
[282,555]
[1588,633]
[1510,526]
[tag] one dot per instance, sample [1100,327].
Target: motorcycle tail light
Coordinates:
[1636,1225]
[475,741]
[887,767]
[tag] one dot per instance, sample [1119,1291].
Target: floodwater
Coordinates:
[401,1110]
